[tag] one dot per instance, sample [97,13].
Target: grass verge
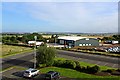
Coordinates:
[3,56]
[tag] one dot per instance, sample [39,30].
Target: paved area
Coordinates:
[9,62]
[90,58]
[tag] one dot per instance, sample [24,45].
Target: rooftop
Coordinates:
[74,38]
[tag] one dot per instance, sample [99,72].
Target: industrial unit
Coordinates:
[72,41]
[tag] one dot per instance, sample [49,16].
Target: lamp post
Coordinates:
[35,37]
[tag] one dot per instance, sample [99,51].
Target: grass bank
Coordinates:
[9,50]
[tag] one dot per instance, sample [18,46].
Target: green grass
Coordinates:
[73,73]
[87,64]
[9,50]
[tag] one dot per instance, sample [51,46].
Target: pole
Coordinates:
[35,52]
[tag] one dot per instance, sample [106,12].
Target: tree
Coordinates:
[30,37]
[46,55]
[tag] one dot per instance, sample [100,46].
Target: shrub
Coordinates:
[59,63]
[118,69]
[70,64]
[95,69]
[42,65]
[78,67]
[88,69]
[65,64]
[83,69]
[110,70]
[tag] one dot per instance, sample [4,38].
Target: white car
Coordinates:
[30,72]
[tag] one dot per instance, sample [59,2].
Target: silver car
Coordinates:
[30,72]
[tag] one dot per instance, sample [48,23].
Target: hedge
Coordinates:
[76,66]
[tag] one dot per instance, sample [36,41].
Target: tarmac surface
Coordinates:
[102,60]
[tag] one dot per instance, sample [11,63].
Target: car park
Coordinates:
[30,72]
[52,75]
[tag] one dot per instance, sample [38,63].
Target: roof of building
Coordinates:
[33,42]
[74,38]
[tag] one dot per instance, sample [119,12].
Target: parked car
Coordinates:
[30,72]
[52,75]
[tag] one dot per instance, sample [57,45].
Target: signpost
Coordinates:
[35,37]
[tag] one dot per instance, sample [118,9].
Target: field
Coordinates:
[7,50]
[69,73]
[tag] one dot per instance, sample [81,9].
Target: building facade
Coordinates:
[87,42]
[77,41]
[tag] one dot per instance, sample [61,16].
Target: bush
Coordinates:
[83,69]
[70,64]
[65,64]
[88,69]
[110,70]
[94,69]
[118,69]
[42,65]
[78,67]
[59,63]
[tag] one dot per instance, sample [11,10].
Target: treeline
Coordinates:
[22,39]
[114,37]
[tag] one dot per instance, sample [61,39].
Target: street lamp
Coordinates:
[35,37]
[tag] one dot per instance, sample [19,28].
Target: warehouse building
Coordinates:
[72,41]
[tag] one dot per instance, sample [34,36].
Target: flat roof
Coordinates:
[74,38]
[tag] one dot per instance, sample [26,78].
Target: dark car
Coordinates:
[52,75]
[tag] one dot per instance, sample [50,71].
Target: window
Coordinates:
[80,44]
[87,38]
[27,72]
[89,44]
[83,44]
[33,70]
[86,44]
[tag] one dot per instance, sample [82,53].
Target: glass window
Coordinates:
[86,44]
[83,44]
[80,44]
[89,44]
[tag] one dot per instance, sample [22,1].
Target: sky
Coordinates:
[83,17]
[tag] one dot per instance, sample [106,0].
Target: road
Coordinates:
[24,59]
[91,58]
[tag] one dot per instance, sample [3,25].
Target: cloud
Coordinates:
[80,17]
[71,16]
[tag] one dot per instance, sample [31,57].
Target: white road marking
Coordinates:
[105,64]
[115,65]
[98,62]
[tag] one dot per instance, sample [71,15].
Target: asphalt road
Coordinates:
[24,59]
[18,60]
[91,58]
